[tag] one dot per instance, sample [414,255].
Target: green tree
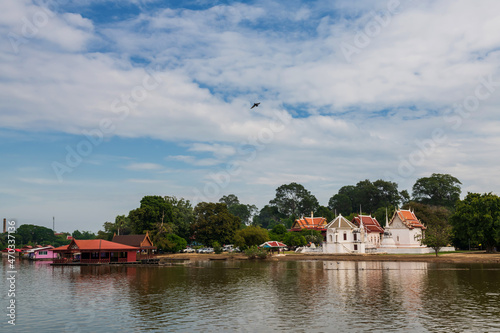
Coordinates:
[247,237]
[34,235]
[244,212]
[213,222]
[267,217]
[436,218]
[182,216]
[294,200]
[153,209]
[83,235]
[325,212]
[340,203]
[477,219]
[438,190]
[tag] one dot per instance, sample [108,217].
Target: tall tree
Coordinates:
[268,217]
[214,222]
[438,190]
[182,216]
[244,212]
[153,209]
[477,219]
[341,204]
[294,200]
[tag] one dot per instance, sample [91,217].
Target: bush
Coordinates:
[217,247]
[254,252]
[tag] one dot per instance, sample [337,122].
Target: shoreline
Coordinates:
[454,257]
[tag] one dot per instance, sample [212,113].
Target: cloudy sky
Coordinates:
[103,102]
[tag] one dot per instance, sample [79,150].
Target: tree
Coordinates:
[182,216]
[325,212]
[34,234]
[437,190]
[365,195]
[153,209]
[171,243]
[213,222]
[83,235]
[244,212]
[477,219]
[436,219]
[294,200]
[247,237]
[268,217]
[341,204]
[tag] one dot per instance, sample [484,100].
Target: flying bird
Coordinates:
[255,105]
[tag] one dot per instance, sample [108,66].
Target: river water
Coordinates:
[255,296]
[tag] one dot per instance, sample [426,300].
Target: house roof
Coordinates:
[314,223]
[273,244]
[342,223]
[408,218]
[142,241]
[94,245]
[369,223]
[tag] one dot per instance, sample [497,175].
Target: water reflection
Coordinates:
[250,296]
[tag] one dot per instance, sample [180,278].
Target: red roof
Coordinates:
[273,244]
[409,219]
[314,223]
[95,245]
[370,223]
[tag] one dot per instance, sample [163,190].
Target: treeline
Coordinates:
[173,223]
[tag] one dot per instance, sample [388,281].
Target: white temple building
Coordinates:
[403,234]
[342,236]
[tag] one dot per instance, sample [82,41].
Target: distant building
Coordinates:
[373,230]
[343,236]
[310,223]
[143,242]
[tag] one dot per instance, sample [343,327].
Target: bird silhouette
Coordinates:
[255,105]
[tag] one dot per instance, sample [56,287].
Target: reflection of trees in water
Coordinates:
[477,286]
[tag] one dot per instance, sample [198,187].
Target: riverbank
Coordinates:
[452,257]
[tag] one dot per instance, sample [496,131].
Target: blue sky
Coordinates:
[103,102]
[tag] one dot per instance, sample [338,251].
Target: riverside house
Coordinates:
[41,253]
[143,242]
[95,251]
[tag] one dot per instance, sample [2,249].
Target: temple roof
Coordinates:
[408,218]
[342,223]
[369,223]
[314,223]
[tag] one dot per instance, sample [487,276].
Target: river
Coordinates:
[256,296]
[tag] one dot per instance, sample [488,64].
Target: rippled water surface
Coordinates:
[247,296]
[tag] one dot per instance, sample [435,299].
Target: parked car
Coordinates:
[189,250]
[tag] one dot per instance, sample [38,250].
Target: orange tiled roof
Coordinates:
[409,219]
[315,223]
[370,223]
[95,244]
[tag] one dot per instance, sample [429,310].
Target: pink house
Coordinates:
[41,253]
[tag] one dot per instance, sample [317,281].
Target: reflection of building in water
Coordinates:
[342,236]
[394,287]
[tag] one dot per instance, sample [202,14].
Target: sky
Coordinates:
[104,102]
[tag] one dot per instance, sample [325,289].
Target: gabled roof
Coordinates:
[408,218]
[342,223]
[314,223]
[94,245]
[369,223]
[142,241]
[273,244]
